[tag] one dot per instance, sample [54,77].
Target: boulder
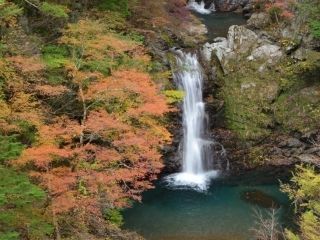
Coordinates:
[270,53]
[229,5]
[220,51]
[241,39]
[300,54]
[248,10]
[258,20]
[310,159]
[291,143]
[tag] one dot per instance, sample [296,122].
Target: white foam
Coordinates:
[185,180]
[200,7]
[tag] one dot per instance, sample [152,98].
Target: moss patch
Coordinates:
[21,203]
[286,96]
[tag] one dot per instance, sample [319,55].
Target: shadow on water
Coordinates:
[224,212]
[218,23]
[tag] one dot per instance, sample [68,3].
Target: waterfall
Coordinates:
[190,80]
[200,7]
[197,148]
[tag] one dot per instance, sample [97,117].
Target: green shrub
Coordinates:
[174,96]
[20,204]
[310,9]
[120,6]
[136,37]
[126,61]
[104,66]
[3,49]
[114,21]
[55,56]
[54,10]
[114,216]
[10,148]
[304,191]
[56,76]
[315,28]
[27,133]
[9,236]
[275,13]
[8,10]
[121,105]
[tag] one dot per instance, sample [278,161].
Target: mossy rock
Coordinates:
[299,111]
[247,100]
[285,96]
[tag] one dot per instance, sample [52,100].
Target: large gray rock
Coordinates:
[291,143]
[241,39]
[268,52]
[300,54]
[239,43]
[259,20]
[220,50]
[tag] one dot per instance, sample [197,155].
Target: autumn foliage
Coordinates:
[92,138]
[278,9]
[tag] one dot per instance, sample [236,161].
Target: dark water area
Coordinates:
[218,23]
[221,213]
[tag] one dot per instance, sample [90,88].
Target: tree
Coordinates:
[305,193]
[267,226]
[86,111]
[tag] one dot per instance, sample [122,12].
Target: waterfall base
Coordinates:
[200,7]
[185,180]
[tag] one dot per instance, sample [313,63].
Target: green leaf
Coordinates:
[10,148]
[54,10]
[315,28]
[22,205]
[9,236]
[174,96]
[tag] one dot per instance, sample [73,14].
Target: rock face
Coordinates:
[271,52]
[219,50]
[241,39]
[227,5]
[259,20]
[242,42]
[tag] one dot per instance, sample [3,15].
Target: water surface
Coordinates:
[219,214]
[218,23]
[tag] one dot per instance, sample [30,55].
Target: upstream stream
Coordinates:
[199,203]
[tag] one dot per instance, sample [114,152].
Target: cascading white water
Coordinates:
[196,148]
[200,7]
[190,80]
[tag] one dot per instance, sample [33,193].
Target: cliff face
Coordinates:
[270,101]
